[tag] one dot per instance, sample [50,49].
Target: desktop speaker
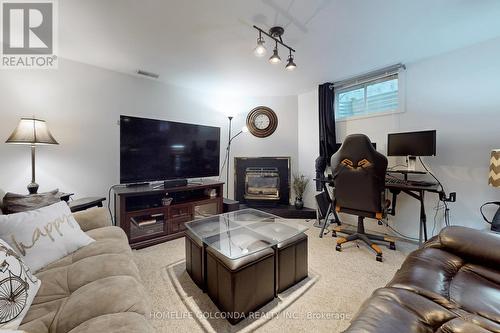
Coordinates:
[175,183]
[323,201]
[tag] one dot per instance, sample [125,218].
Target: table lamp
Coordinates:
[494,180]
[33,132]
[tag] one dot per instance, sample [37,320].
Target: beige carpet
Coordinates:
[200,304]
[325,302]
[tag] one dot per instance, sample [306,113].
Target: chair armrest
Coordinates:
[93,218]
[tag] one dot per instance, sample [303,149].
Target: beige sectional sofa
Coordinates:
[95,289]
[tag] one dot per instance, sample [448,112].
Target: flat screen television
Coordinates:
[156,150]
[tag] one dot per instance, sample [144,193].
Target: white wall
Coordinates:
[455,93]
[82,105]
[308,134]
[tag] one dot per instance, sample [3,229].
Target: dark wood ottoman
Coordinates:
[195,259]
[291,262]
[240,286]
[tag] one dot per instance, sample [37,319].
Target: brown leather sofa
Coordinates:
[450,285]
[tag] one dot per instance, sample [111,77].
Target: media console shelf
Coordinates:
[141,211]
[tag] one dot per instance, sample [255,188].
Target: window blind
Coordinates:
[370,97]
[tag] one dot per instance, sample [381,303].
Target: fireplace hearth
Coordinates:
[262,181]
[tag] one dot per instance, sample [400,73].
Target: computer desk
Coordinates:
[417,192]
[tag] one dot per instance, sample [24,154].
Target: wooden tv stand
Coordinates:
[146,221]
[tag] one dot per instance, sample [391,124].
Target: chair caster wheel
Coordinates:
[334,233]
[379,257]
[380,222]
[392,246]
[338,247]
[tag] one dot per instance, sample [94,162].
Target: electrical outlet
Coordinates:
[451,198]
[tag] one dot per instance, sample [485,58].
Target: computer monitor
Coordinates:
[422,143]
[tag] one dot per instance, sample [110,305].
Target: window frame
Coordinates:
[399,75]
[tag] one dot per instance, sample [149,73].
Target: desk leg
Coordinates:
[327,215]
[423,220]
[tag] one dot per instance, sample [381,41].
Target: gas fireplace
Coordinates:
[262,184]
[262,180]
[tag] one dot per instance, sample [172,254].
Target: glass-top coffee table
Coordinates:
[243,259]
[244,232]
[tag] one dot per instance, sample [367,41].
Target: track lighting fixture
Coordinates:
[260,49]
[275,34]
[275,58]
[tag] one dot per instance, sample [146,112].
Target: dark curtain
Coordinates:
[327,138]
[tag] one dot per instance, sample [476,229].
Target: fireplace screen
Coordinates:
[262,184]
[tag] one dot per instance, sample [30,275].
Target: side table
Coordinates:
[85,203]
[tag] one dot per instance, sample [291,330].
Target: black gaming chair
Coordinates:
[359,180]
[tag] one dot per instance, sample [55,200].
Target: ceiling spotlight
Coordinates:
[275,33]
[275,58]
[260,49]
[290,66]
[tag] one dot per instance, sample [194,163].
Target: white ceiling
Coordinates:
[207,44]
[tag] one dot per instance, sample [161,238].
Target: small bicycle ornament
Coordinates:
[14,288]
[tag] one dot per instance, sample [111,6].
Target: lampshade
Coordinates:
[290,66]
[32,131]
[260,49]
[494,177]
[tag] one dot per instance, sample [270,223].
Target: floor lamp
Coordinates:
[228,151]
[33,132]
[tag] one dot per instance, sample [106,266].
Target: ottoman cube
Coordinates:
[291,262]
[195,253]
[239,286]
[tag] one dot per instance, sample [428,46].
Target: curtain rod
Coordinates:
[370,76]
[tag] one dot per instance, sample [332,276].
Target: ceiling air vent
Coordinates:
[148,74]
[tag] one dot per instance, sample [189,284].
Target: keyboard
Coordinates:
[399,181]
[390,180]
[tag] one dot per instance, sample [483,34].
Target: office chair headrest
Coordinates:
[358,149]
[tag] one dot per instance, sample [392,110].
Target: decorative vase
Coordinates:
[299,204]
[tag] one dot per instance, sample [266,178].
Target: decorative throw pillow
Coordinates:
[17,288]
[44,235]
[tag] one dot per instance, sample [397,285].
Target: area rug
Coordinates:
[208,316]
[339,283]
